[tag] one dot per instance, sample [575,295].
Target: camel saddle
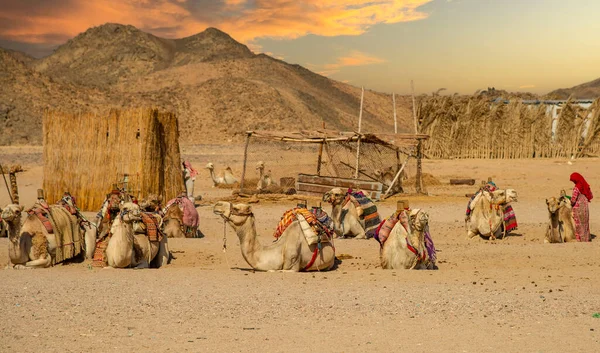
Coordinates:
[149,226]
[42,214]
[313,230]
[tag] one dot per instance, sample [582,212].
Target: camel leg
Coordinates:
[162,257]
[471,234]
[142,264]
[39,263]
[90,243]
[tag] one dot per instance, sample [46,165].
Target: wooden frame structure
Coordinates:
[409,144]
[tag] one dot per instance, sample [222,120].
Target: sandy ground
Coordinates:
[513,295]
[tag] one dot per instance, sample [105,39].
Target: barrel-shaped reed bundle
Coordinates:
[87,154]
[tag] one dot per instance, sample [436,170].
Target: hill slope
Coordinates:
[586,90]
[217,86]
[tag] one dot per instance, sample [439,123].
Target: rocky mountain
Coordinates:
[217,87]
[584,91]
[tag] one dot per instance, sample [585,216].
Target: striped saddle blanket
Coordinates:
[369,211]
[312,228]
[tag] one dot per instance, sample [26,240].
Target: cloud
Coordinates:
[354,58]
[526,86]
[55,21]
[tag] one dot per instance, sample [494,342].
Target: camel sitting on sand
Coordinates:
[173,222]
[128,249]
[264,179]
[561,228]
[386,177]
[487,213]
[224,178]
[290,253]
[346,217]
[32,246]
[405,248]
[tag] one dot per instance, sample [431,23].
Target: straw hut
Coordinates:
[86,154]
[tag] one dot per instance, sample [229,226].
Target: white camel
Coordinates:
[405,249]
[386,177]
[290,253]
[224,178]
[127,249]
[346,218]
[31,246]
[264,179]
[487,213]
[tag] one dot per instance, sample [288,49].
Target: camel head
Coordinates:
[553,205]
[334,196]
[235,214]
[209,166]
[419,219]
[11,213]
[130,212]
[260,165]
[503,196]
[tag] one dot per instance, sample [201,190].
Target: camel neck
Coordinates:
[14,237]
[250,246]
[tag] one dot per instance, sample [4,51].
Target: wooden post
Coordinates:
[419,174]
[362,96]
[412,88]
[245,160]
[319,160]
[6,183]
[395,120]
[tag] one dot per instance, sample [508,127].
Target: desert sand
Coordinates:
[512,295]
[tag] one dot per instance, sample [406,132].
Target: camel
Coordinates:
[264,179]
[173,222]
[127,249]
[395,253]
[562,226]
[290,253]
[487,213]
[386,177]
[31,246]
[3,230]
[225,178]
[346,218]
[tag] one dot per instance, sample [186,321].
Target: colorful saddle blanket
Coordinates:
[152,229]
[307,216]
[42,214]
[369,210]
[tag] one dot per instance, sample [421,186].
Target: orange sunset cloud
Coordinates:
[55,21]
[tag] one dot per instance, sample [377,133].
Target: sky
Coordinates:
[459,45]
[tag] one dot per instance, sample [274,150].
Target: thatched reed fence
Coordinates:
[472,127]
[86,154]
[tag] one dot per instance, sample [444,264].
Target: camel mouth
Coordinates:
[222,209]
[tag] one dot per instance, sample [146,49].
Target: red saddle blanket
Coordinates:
[152,230]
[42,215]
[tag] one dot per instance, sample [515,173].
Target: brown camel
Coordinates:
[561,228]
